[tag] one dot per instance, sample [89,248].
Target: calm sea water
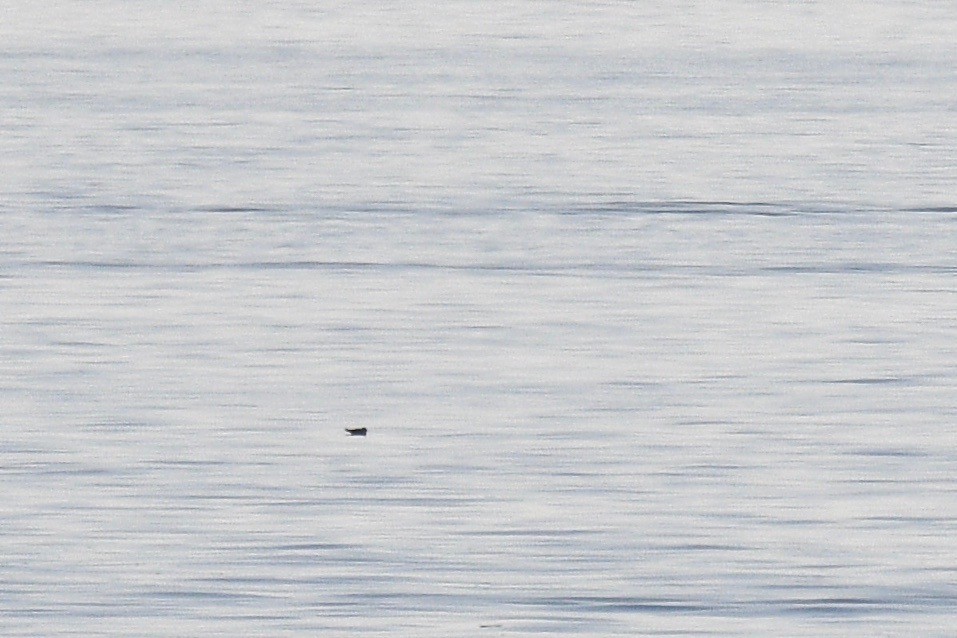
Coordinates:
[649,309]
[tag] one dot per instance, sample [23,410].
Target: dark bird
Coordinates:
[356,431]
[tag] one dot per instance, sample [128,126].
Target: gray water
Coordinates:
[649,310]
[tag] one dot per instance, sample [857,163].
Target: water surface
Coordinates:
[649,311]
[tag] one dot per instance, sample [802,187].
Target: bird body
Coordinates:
[356,431]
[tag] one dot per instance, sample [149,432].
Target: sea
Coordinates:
[649,310]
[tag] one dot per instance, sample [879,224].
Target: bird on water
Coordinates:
[356,431]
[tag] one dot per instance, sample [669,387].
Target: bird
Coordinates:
[356,431]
